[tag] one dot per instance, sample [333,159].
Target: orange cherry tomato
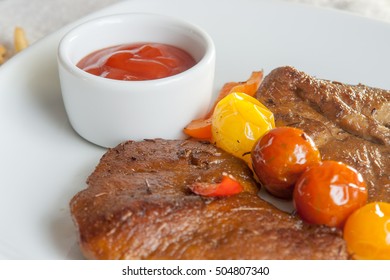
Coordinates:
[367,232]
[328,193]
[281,156]
[227,187]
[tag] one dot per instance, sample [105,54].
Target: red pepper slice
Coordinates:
[201,128]
[228,186]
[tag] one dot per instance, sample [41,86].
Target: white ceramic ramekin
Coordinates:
[107,112]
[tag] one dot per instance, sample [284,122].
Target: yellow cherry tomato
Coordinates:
[238,121]
[367,232]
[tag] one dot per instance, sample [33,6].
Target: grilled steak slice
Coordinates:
[348,123]
[138,206]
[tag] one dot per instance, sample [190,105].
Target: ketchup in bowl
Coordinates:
[137,61]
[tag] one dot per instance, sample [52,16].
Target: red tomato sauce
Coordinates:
[137,62]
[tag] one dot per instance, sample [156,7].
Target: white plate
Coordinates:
[43,162]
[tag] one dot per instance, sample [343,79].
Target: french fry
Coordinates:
[3,52]
[20,40]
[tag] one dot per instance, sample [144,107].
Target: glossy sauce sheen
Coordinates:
[137,61]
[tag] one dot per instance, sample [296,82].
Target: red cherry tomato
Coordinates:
[280,157]
[328,193]
[227,187]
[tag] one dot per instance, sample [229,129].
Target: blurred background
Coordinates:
[41,17]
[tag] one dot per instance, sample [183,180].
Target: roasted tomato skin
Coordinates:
[367,232]
[280,157]
[327,193]
[237,122]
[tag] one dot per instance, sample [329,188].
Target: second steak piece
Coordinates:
[348,123]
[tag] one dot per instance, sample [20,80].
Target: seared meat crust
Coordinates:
[348,123]
[138,206]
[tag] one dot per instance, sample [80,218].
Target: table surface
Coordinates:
[41,17]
